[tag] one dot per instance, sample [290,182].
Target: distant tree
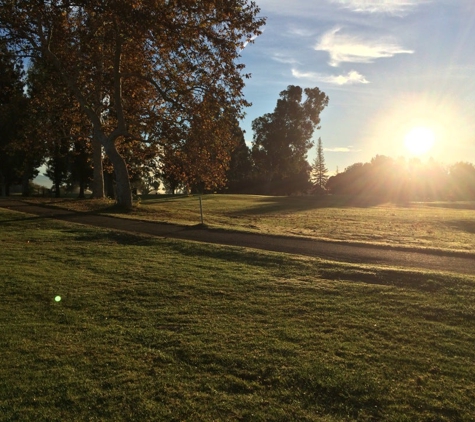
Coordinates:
[11,100]
[352,181]
[20,156]
[282,138]
[462,181]
[55,119]
[319,170]
[388,179]
[58,166]
[81,165]
[240,172]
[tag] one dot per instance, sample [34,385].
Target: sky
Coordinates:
[400,75]
[387,66]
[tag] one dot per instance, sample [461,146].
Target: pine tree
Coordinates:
[319,171]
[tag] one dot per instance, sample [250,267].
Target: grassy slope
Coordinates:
[439,225]
[153,329]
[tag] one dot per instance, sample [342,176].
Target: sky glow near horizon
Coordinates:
[388,66]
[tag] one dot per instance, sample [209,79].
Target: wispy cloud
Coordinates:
[350,78]
[353,49]
[300,32]
[380,6]
[340,149]
[281,58]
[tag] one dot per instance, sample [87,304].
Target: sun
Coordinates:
[419,140]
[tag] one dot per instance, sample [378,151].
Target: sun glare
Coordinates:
[419,140]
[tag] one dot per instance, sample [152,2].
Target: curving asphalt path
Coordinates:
[463,263]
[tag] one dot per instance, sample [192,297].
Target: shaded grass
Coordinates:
[435,225]
[153,329]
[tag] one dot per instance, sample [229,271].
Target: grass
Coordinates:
[155,329]
[430,225]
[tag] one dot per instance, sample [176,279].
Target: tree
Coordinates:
[388,179]
[199,157]
[81,168]
[19,156]
[240,172]
[283,138]
[319,170]
[58,166]
[57,121]
[135,66]
[11,99]
[462,181]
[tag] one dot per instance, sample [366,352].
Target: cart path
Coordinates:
[351,253]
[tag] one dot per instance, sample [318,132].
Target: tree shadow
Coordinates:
[467,226]
[115,237]
[282,204]
[16,220]
[453,205]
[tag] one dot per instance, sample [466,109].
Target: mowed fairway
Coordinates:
[426,225]
[155,329]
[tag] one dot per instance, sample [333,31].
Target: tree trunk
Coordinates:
[98,176]
[109,185]
[57,182]
[82,186]
[57,191]
[124,191]
[25,189]
[3,190]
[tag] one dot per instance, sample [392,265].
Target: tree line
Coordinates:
[127,82]
[197,147]
[117,95]
[403,180]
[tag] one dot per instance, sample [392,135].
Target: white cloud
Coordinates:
[351,77]
[352,49]
[340,149]
[380,6]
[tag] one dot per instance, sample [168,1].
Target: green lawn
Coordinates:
[433,225]
[154,329]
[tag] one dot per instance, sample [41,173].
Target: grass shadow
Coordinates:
[283,266]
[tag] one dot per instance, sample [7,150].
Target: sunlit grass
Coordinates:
[440,225]
[153,329]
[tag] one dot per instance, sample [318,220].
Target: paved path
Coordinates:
[450,261]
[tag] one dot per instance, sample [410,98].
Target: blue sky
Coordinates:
[388,66]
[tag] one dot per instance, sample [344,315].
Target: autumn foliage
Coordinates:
[146,72]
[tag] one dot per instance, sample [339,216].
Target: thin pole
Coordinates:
[201,210]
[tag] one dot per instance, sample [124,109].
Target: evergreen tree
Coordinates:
[319,170]
[283,138]
[240,170]
[20,156]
